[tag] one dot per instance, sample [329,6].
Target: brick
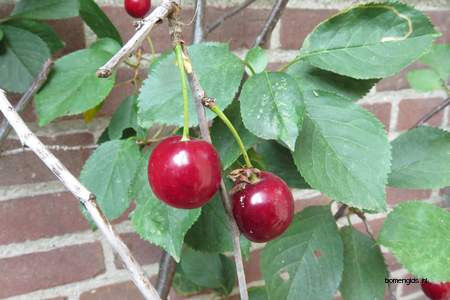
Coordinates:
[241,30]
[251,267]
[411,110]
[120,291]
[143,251]
[75,139]
[71,31]
[275,66]
[40,217]
[441,20]
[301,204]
[396,195]
[398,81]
[28,168]
[31,272]
[296,24]
[382,111]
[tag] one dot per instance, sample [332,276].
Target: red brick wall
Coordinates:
[46,248]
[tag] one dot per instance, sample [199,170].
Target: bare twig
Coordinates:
[433,112]
[199,32]
[167,267]
[158,14]
[81,193]
[277,10]
[342,211]
[38,82]
[199,97]
[50,147]
[228,15]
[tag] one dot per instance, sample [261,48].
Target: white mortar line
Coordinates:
[75,289]
[275,39]
[30,190]
[52,243]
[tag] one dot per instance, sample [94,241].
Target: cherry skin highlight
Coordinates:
[184,174]
[436,291]
[137,8]
[263,210]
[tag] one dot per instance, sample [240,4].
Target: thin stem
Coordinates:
[199,32]
[433,112]
[228,15]
[38,82]
[214,108]
[152,48]
[167,267]
[249,66]
[180,63]
[263,38]
[286,66]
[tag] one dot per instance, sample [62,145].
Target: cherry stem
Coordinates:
[214,108]
[249,66]
[180,63]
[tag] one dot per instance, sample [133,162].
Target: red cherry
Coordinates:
[436,291]
[137,8]
[263,210]
[184,174]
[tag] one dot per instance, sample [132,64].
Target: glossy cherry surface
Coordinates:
[437,291]
[263,210]
[137,8]
[184,174]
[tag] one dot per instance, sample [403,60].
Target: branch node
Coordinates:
[208,102]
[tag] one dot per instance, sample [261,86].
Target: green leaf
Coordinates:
[306,262]
[46,9]
[439,59]
[343,151]
[160,100]
[208,270]
[106,44]
[224,141]
[108,174]
[156,222]
[212,233]
[21,59]
[43,30]
[421,159]
[73,87]
[124,117]
[310,78]
[372,40]
[278,160]
[272,107]
[1,34]
[418,235]
[183,284]
[424,80]
[257,293]
[364,267]
[257,58]
[96,19]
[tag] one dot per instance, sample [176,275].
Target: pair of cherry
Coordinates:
[187,174]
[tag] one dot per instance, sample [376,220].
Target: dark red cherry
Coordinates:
[184,174]
[263,210]
[436,291]
[137,8]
